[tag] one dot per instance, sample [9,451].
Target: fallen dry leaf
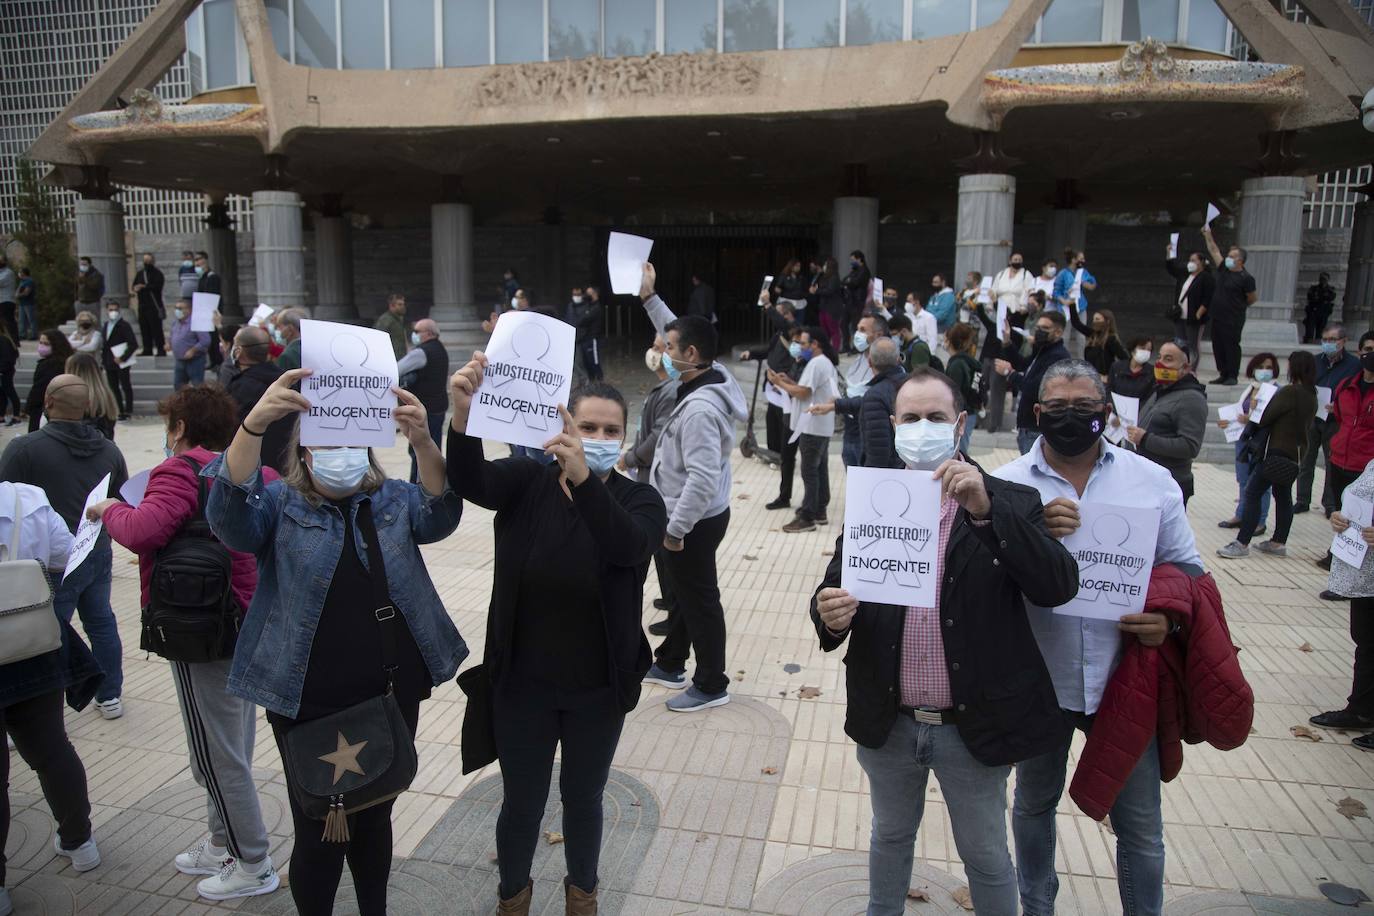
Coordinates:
[750,556]
[962,897]
[1302,731]
[1351,808]
[494,859]
[553,837]
[769,771]
[827,553]
[1305,647]
[1253,730]
[809,693]
[917,893]
[742,496]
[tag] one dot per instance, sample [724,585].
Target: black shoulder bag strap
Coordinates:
[200,485]
[385,611]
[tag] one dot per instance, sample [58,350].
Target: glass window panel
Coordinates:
[519,31]
[1072,21]
[1206,25]
[751,25]
[989,11]
[316,35]
[363,34]
[630,26]
[467,36]
[811,24]
[412,34]
[279,17]
[871,21]
[933,18]
[574,29]
[689,25]
[221,56]
[195,51]
[1149,19]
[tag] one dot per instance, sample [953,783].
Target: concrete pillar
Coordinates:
[1270,230]
[222,247]
[100,237]
[334,270]
[855,222]
[982,235]
[277,248]
[1065,228]
[1359,278]
[451,251]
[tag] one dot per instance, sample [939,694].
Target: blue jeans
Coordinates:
[976,797]
[188,372]
[1025,438]
[87,592]
[1136,820]
[1243,468]
[852,448]
[28,321]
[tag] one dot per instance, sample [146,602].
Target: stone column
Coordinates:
[855,222]
[451,251]
[982,235]
[100,237]
[222,246]
[1270,230]
[1359,276]
[334,269]
[277,248]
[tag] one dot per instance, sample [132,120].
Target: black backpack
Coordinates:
[191,615]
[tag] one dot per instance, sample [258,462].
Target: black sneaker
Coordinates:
[779,503]
[1364,742]
[1300,508]
[1328,595]
[822,520]
[799,524]
[1342,719]
[1324,563]
[661,605]
[1229,523]
[661,628]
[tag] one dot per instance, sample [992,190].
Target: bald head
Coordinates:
[884,354]
[427,329]
[67,398]
[253,344]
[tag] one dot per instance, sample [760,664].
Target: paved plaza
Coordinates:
[759,806]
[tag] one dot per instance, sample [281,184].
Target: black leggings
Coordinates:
[531,719]
[1362,632]
[40,737]
[8,396]
[317,866]
[1250,513]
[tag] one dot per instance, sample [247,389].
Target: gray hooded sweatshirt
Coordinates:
[691,468]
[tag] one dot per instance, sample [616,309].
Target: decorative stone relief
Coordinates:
[619,77]
[1145,59]
[143,106]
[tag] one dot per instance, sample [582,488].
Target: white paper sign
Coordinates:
[1002,321]
[1323,402]
[134,488]
[87,531]
[774,396]
[1115,431]
[1212,213]
[1231,413]
[203,307]
[875,290]
[1173,244]
[1349,546]
[985,291]
[118,350]
[1127,408]
[1077,290]
[261,314]
[763,292]
[892,536]
[351,401]
[1262,398]
[1046,286]
[1115,550]
[528,374]
[625,257]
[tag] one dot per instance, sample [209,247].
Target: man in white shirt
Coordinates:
[923,323]
[817,386]
[1070,464]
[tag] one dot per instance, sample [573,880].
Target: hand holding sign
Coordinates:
[462,388]
[528,373]
[412,419]
[1061,517]
[836,608]
[625,254]
[566,447]
[279,400]
[88,529]
[963,483]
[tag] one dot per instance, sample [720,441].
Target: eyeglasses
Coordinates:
[1332,339]
[1084,408]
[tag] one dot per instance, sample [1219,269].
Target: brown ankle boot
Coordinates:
[580,903]
[519,905]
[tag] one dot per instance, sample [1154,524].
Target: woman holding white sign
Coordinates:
[565,650]
[1262,370]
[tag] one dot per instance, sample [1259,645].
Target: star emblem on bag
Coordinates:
[344,758]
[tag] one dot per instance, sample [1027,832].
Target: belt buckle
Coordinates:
[385,613]
[927,716]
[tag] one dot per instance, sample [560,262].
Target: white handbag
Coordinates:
[28,623]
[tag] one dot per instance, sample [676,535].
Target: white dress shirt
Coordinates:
[924,326]
[1080,652]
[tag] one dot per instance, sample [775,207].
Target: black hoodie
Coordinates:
[65,459]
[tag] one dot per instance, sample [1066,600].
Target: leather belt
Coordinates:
[928,716]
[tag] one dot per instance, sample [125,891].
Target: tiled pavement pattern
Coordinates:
[714,831]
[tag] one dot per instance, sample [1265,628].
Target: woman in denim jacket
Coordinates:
[310,642]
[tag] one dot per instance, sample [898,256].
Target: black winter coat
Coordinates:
[1003,696]
[1199,294]
[48,368]
[122,333]
[1026,378]
[247,387]
[875,420]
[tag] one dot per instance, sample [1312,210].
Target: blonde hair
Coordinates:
[102,400]
[299,478]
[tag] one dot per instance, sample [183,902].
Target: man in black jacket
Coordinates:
[879,406]
[118,367]
[424,372]
[148,284]
[254,373]
[702,302]
[588,316]
[960,688]
[1023,374]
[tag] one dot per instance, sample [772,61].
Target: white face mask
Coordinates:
[1192,267]
[514,302]
[577,300]
[925,444]
[653,359]
[1050,272]
[1142,356]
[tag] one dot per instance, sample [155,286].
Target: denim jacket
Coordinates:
[297,547]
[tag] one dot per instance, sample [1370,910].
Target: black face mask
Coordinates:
[1070,433]
[1016,265]
[1367,361]
[1041,337]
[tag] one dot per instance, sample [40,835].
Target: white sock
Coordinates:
[256,869]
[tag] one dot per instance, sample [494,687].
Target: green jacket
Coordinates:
[291,356]
[396,328]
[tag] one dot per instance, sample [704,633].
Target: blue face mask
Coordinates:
[601,455]
[276,335]
[1230,263]
[1331,347]
[925,444]
[670,368]
[795,349]
[415,338]
[339,470]
[1264,375]
[860,341]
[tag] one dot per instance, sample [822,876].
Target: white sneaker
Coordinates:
[232,881]
[84,857]
[202,859]
[110,709]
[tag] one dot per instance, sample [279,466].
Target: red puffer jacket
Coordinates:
[1189,689]
[1353,445]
